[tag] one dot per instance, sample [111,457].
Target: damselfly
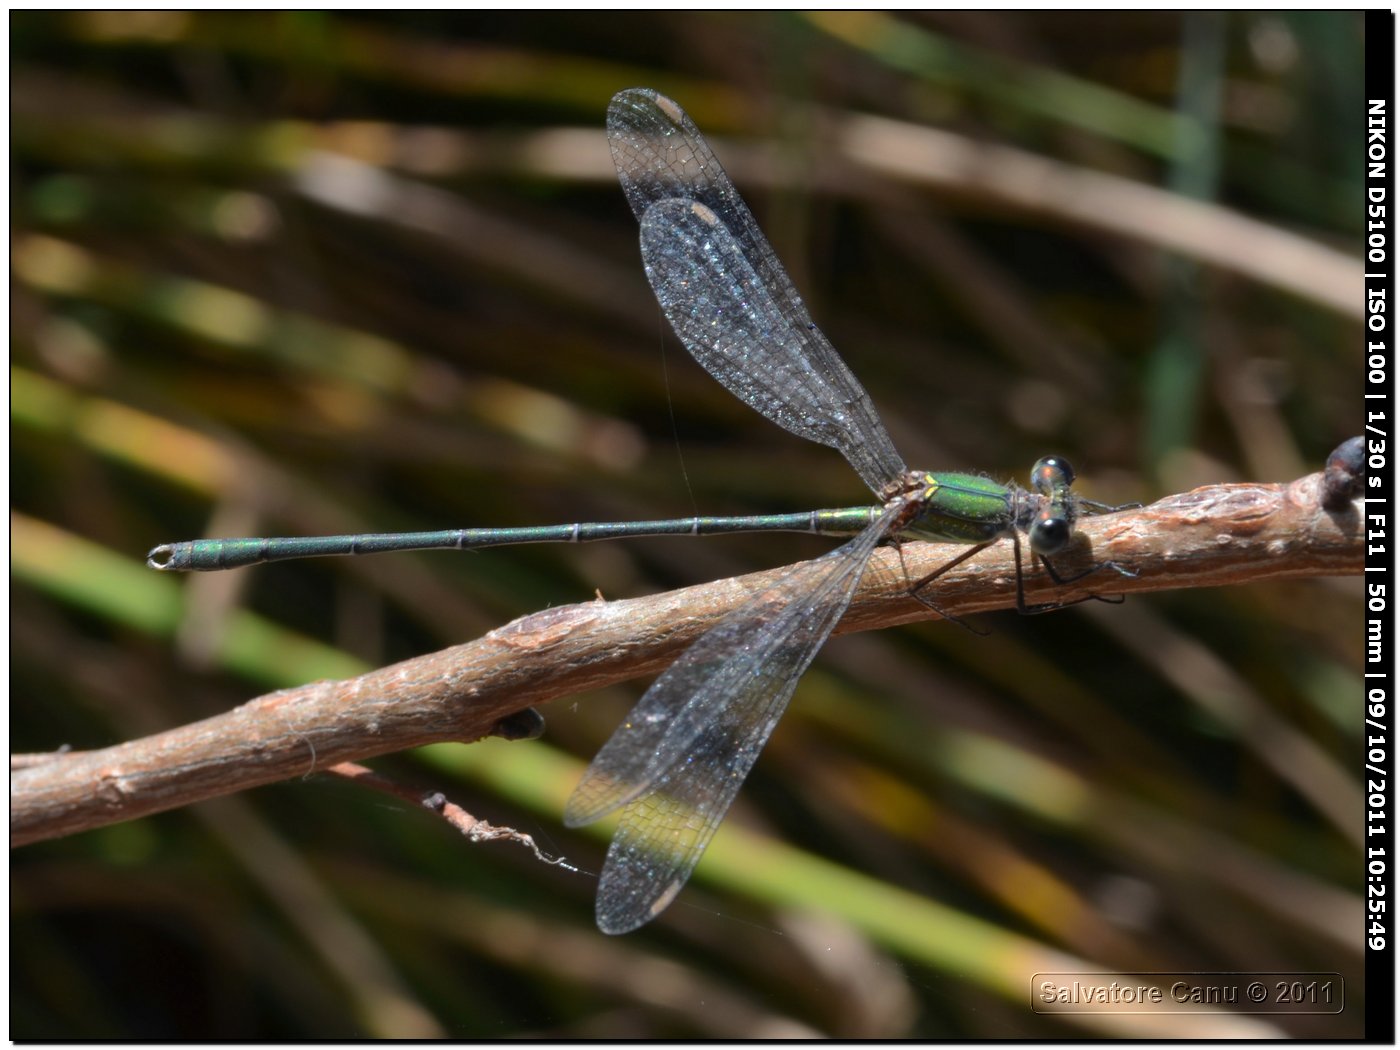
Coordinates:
[676,763]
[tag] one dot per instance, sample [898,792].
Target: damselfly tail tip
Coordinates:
[162,557]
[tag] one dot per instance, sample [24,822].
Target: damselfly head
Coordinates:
[1050,532]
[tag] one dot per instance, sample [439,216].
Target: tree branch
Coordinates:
[1213,536]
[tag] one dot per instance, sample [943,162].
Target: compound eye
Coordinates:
[1051,473]
[1049,535]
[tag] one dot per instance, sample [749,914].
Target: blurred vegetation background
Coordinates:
[301,273]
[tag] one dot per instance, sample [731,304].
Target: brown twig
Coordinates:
[1209,537]
[474,828]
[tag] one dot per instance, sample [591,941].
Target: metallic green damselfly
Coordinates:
[675,764]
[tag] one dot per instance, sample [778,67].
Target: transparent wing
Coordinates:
[677,761]
[662,157]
